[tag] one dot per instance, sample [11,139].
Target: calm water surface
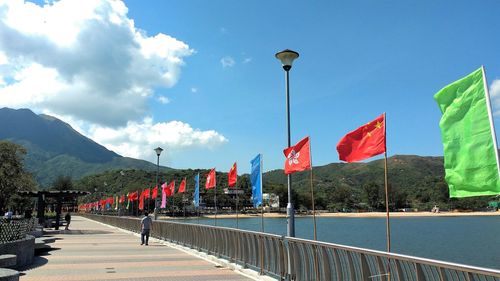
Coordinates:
[467,240]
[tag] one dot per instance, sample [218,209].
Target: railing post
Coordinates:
[419,274]
[365,270]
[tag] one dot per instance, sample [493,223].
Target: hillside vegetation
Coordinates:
[415,182]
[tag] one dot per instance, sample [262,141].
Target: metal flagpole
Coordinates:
[237,200]
[490,115]
[316,266]
[388,225]
[215,197]
[312,193]
[262,199]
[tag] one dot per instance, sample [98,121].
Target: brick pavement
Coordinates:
[92,251]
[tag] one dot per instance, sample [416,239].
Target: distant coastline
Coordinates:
[357,215]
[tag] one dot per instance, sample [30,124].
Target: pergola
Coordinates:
[60,196]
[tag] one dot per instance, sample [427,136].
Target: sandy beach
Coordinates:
[361,215]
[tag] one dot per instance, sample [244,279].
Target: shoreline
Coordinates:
[352,215]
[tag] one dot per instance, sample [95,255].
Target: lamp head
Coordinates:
[158,150]
[287,57]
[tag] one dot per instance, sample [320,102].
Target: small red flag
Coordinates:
[171,188]
[298,157]
[141,201]
[166,189]
[182,186]
[146,193]
[364,142]
[232,176]
[155,192]
[210,183]
[133,196]
[122,198]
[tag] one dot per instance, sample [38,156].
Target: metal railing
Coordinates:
[299,259]
[15,229]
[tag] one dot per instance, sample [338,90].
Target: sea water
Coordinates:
[471,240]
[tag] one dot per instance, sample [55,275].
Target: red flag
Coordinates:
[134,196]
[122,198]
[155,192]
[171,187]
[210,183]
[141,201]
[166,189]
[182,186]
[298,157]
[364,142]
[146,193]
[232,176]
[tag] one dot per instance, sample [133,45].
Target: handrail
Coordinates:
[309,260]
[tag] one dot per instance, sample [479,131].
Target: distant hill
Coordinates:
[405,171]
[55,148]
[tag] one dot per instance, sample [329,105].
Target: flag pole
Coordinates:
[490,115]
[388,225]
[312,193]
[237,200]
[262,199]
[215,197]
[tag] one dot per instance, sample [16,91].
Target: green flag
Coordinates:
[470,156]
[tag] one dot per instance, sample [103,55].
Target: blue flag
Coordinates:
[256,180]
[197,190]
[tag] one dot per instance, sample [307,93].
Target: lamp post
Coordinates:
[158,151]
[286,57]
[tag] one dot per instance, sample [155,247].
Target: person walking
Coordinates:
[146,224]
[67,218]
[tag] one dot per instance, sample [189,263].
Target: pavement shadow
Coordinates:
[37,262]
[77,232]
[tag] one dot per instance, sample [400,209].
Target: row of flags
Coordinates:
[364,142]
[468,134]
[168,190]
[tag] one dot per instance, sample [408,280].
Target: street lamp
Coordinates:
[158,151]
[286,57]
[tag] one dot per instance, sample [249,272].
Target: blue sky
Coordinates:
[357,60]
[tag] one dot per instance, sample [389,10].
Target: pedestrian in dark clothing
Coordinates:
[67,218]
[146,224]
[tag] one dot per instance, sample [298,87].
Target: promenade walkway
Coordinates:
[92,251]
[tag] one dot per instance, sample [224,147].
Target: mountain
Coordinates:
[55,148]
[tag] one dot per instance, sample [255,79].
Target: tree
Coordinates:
[371,195]
[13,178]
[62,183]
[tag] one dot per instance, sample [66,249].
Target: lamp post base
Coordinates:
[156,209]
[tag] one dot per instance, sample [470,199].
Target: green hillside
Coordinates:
[55,149]
[415,182]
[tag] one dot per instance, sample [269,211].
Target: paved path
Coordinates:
[92,251]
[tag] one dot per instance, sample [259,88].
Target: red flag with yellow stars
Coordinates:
[364,142]
[232,176]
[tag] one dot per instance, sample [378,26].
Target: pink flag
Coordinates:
[163,196]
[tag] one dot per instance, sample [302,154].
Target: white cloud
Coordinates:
[163,100]
[194,90]
[132,139]
[227,61]
[495,96]
[247,60]
[84,59]
[86,63]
